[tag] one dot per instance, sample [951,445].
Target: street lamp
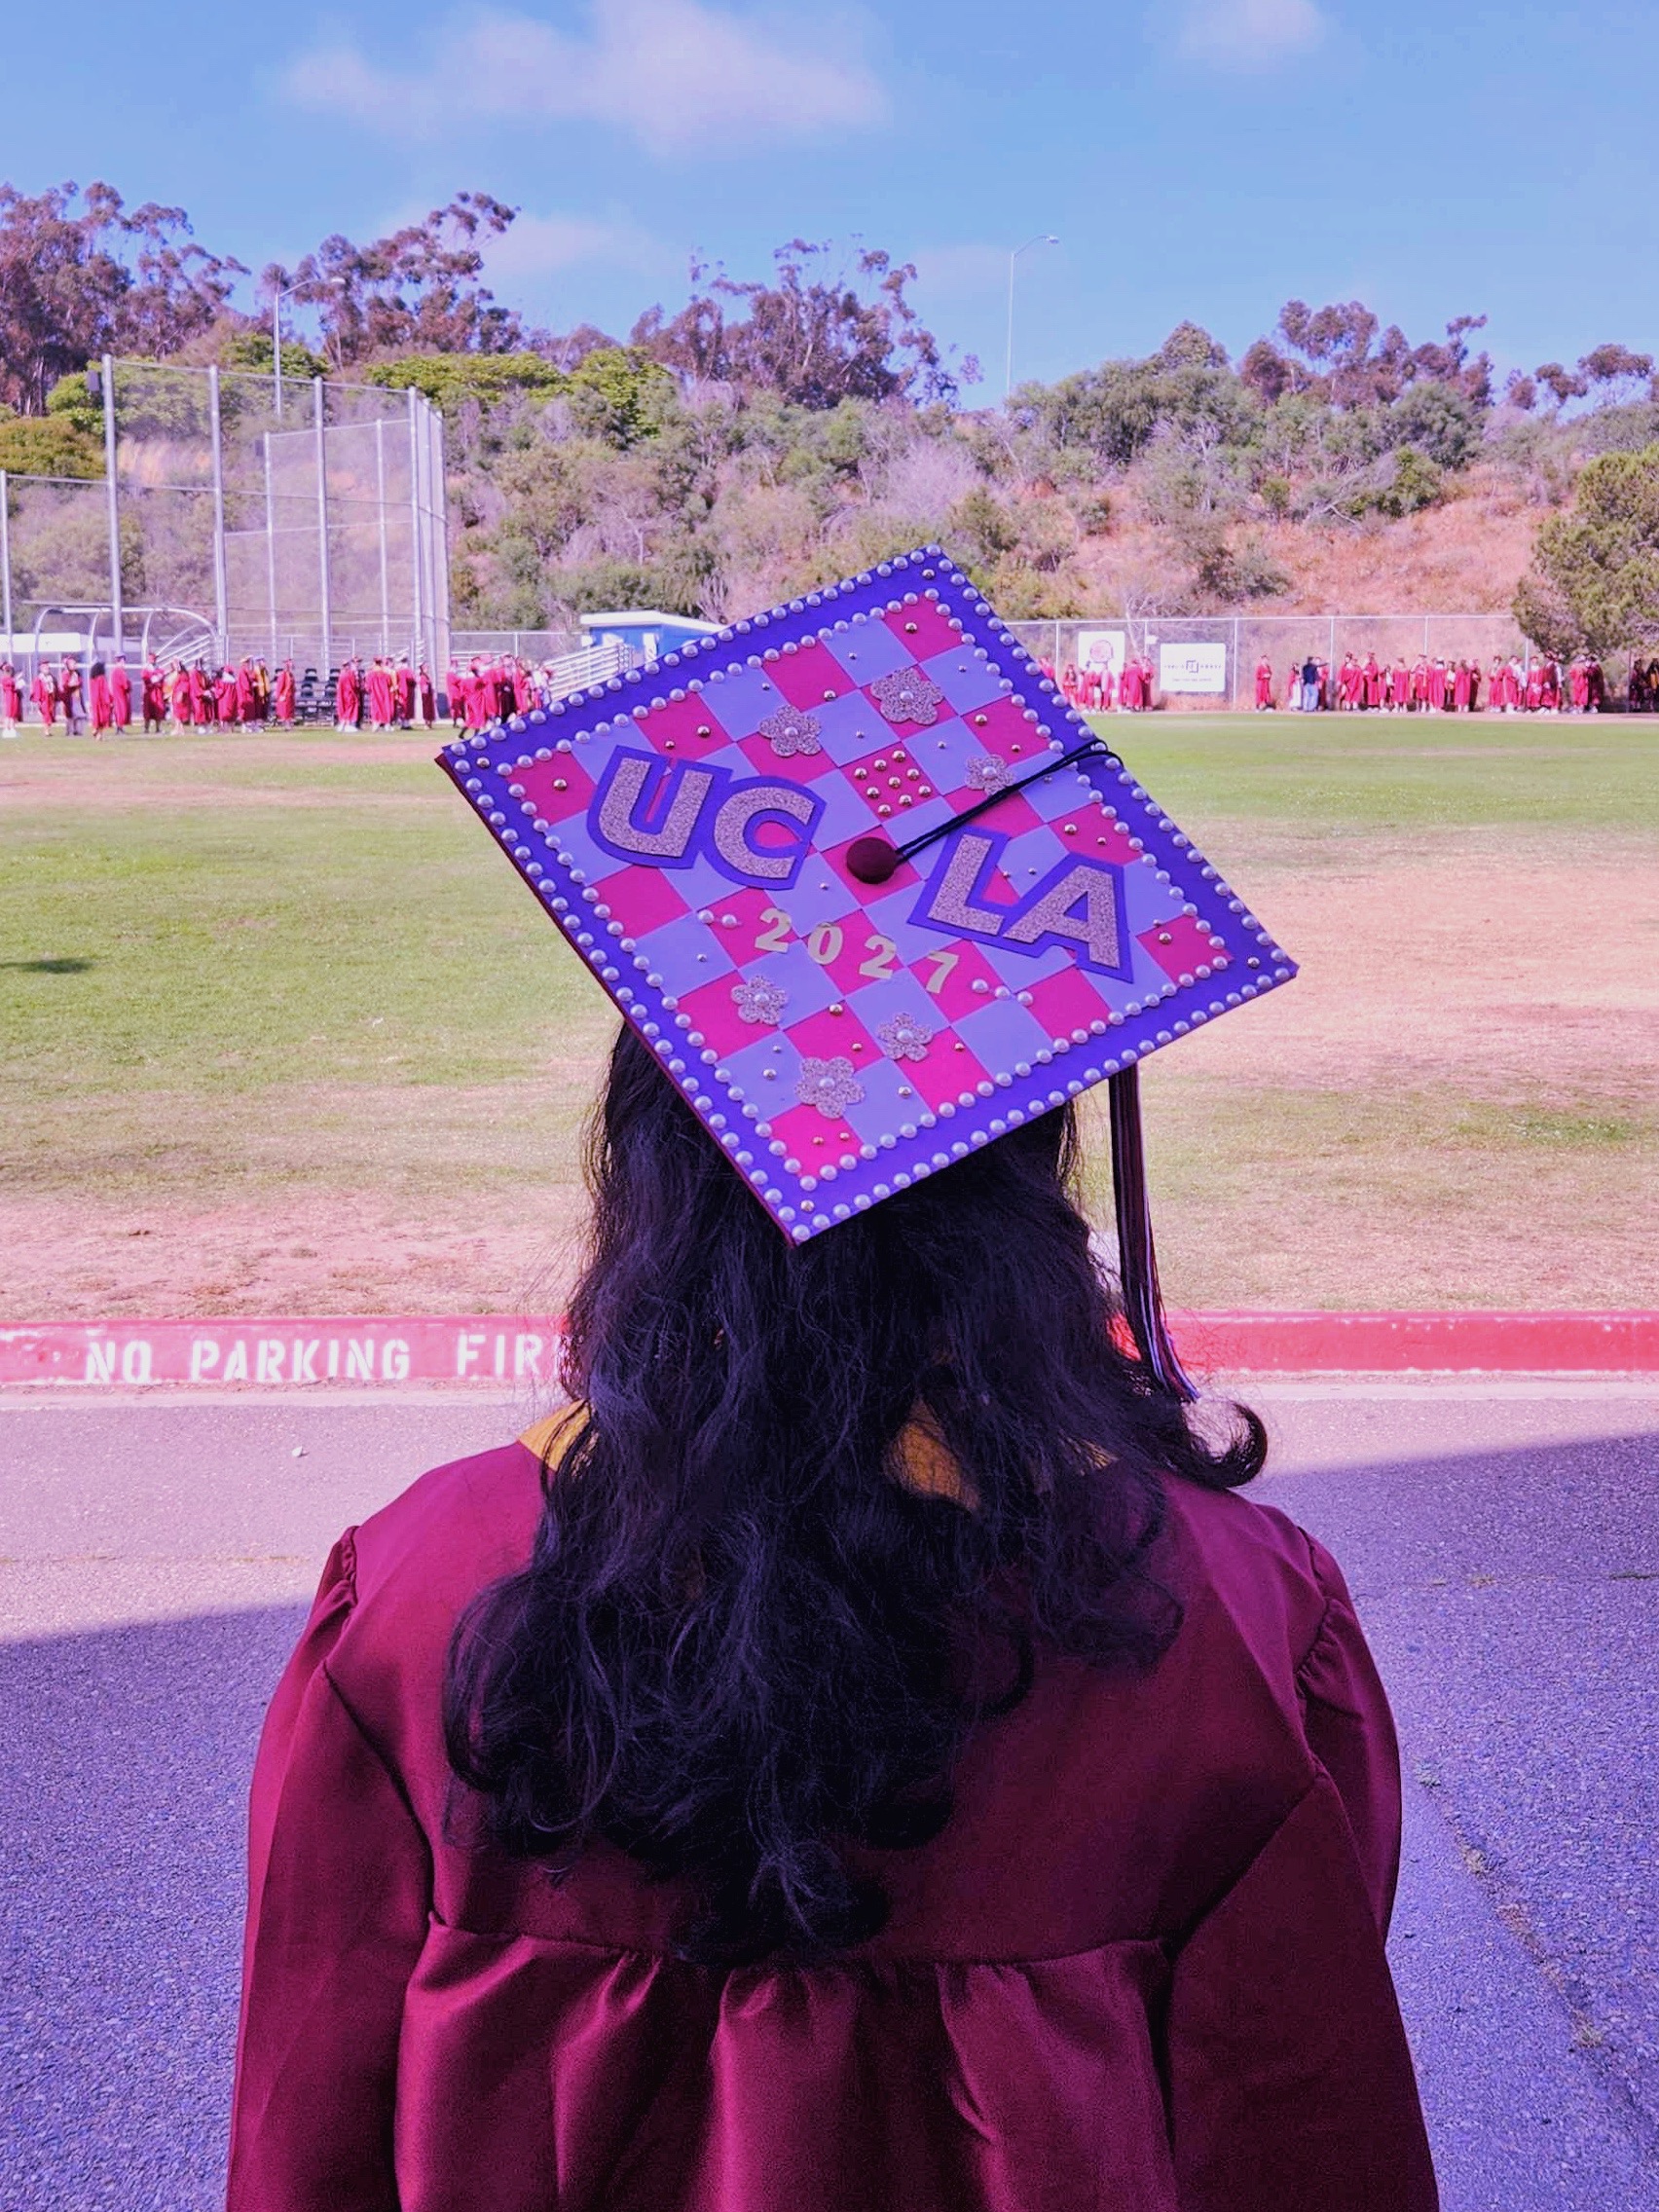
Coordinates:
[1046,237]
[279,293]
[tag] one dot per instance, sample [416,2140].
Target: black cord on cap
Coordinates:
[873,860]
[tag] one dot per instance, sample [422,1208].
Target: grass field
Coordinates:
[282,1033]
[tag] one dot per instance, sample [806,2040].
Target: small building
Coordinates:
[645,631]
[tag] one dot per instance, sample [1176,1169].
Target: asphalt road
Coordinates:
[1502,1542]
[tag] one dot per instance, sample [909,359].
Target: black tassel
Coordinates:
[1137,1261]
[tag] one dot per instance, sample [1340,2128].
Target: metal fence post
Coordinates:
[269,548]
[6,556]
[326,612]
[379,531]
[417,545]
[114,501]
[221,593]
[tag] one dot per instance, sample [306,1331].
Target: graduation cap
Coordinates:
[873,893]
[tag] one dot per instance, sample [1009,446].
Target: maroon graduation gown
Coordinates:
[1141,1971]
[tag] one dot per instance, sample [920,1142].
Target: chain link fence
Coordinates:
[237,518]
[1207,662]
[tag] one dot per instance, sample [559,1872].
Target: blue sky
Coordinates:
[1198,157]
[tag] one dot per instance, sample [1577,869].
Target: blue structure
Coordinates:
[645,631]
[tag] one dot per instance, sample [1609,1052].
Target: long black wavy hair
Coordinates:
[742,1641]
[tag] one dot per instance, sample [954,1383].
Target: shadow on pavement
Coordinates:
[1513,1602]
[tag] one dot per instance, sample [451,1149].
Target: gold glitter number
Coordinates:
[773,937]
[885,962]
[942,964]
[823,944]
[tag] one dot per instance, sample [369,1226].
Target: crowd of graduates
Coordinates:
[385,692]
[1439,686]
[390,693]
[1101,690]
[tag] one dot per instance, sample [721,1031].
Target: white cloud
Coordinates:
[1249,34]
[677,75]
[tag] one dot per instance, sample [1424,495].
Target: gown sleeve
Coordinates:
[1350,1732]
[1291,2081]
[339,1886]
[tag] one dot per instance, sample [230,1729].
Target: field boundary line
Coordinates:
[382,1351]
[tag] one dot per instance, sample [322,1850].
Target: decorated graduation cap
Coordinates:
[873,894]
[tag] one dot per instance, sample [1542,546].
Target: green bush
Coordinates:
[49,445]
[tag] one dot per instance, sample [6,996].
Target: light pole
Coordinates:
[1044,238]
[279,293]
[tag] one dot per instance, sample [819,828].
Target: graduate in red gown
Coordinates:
[518,684]
[480,697]
[349,699]
[282,695]
[152,696]
[70,694]
[1374,683]
[196,694]
[44,692]
[379,694]
[120,696]
[227,698]
[428,697]
[98,698]
[1461,693]
[877,1892]
[11,699]
[455,694]
[246,693]
[1264,684]
[403,692]
[1533,692]
[1436,686]
[1549,697]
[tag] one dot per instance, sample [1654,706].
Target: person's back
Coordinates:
[863,1758]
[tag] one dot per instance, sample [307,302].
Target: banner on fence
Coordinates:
[1104,650]
[1192,668]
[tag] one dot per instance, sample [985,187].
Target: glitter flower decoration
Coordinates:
[760,1001]
[904,1038]
[908,696]
[789,731]
[829,1084]
[986,773]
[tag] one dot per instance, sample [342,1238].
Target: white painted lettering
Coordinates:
[268,1359]
[235,1369]
[527,1357]
[467,1345]
[361,1359]
[203,1357]
[100,1363]
[302,1361]
[395,1360]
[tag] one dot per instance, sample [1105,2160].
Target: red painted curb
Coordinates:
[499,1348]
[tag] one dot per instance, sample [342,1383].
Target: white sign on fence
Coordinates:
[1192,667]
[1102,650]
